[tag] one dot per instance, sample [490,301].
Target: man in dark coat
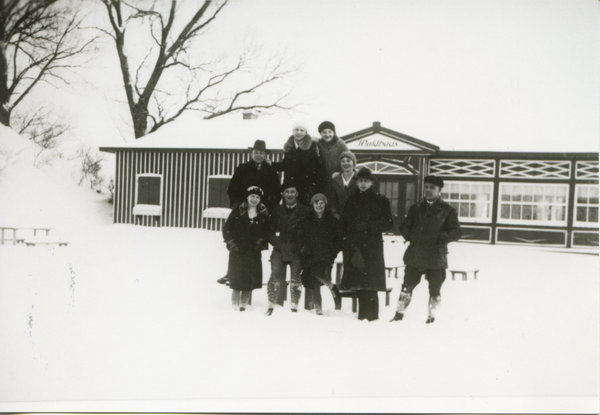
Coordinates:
[366,216]
[429,226]
[302,164]
[284,227]
[256,172]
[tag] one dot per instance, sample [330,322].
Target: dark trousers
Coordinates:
[435,277]
[368,305]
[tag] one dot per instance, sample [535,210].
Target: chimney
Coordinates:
[376,125]
[249,115]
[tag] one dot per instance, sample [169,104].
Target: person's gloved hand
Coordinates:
[361,226]
[260,245]
[233,248]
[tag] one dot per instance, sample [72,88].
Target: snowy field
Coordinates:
[133,313]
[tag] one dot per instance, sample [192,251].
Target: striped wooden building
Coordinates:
[179,178]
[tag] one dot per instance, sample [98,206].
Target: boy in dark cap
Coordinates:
[429,226]
[284,226]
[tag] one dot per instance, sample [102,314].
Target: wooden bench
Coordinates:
[14,230]
[354,296]
[45,240]
[389,270]
[464,273]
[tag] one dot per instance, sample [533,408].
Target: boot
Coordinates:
[223,280]
[397,317]
[434,304]
[244,299]
[269,311]
[235,298]
[295,293]
[403,300]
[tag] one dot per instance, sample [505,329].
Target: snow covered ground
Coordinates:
[133,313]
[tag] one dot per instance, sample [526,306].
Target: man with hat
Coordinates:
[366,216]
[255,172]
[429,226]
[284,227]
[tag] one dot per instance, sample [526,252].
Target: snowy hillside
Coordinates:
[132,313]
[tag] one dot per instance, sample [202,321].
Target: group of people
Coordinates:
[326,205]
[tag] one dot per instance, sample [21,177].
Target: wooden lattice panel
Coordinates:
[539,169]
[462,168]
[587,170]
[380,167]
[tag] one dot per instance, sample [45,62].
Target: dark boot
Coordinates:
[223,280]
[397,317]
[434,303]
[269,312]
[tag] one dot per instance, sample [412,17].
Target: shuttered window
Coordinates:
[148,190]
[217,191]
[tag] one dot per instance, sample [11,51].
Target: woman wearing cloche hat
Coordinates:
[245,233]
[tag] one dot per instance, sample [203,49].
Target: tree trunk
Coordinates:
[139,114]
[4,97]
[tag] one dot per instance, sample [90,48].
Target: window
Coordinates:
[472,200]
[586,205]
[148,195]
[217,191]
[533,203]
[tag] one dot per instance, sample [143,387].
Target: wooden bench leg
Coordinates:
[475,274]
[464,276]
[354,304]
[387,298]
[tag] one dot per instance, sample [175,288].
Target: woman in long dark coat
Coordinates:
[319,245]
[245,233]
[366,216]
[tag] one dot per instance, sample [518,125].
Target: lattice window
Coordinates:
[541,169]
[380,167]
[587,170]
[586,205]
[462,168]
[534,203]
[472,200]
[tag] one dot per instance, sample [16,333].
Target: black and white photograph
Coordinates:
[299,206]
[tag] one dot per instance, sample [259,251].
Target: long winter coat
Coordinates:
[250,236]
[429,229]
[330,155]
[364,266]
[338,195]
[320,242]
[248,174]
[284,229]
[304,166]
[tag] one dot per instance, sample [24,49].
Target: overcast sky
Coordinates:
[458,74]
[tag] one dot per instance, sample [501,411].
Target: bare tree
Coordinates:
[45,127]
[215,87]
[38,44]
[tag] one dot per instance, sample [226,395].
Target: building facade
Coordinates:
[501,197]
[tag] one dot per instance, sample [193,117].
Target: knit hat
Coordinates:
[287,184]
[254,190]
[434,180]
[326,125]
[318,196]
[365,173]
[348,154]
[301,124]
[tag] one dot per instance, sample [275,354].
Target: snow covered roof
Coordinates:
[233,132]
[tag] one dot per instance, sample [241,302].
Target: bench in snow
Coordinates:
[464,273]
[45,241]
[14,230]
[354,296]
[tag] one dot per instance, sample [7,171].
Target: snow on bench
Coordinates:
[45,240]
[14,230]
